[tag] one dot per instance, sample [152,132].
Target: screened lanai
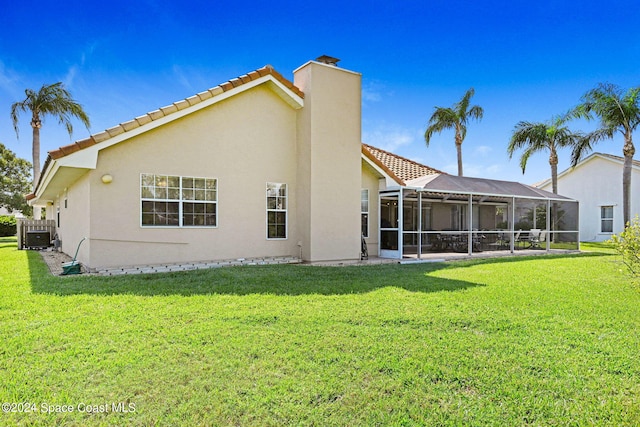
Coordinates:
[444,213]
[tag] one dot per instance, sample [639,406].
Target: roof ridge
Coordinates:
[616,157]
[173,108]
[149,117]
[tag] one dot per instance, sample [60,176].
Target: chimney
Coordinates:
[329,60]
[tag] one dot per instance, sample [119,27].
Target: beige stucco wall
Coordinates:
[243,141]
[371,181]
[74,218]
[329,172]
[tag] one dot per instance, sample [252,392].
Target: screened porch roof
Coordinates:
[462,185]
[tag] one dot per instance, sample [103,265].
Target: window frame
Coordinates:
[180,200]
[363,212]
[608,220]
[276,210]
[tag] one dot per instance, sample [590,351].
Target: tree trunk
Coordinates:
[553,161]
[459,151]
[628,150]
[36,124]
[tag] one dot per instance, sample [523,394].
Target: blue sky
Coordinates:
[526,60]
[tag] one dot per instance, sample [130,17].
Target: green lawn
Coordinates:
[504,342]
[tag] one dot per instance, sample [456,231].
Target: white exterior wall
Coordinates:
[595,183]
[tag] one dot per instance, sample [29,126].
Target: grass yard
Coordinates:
[505,342]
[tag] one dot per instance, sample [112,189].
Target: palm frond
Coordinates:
[476,112]
[462,106]
[528,134]
[583,146]
[441,119]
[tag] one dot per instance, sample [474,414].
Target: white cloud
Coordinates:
[369,95]
[483,150]
[73,70]
[71,75]
[390,137]
[491,171]
[183,78]
[9,82]
[373,91]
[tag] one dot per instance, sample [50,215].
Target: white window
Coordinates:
[606,219]
[364,211]
[276,211]
[176,201]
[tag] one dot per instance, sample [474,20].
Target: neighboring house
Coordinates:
[258,166]
[5,211]
[596,182]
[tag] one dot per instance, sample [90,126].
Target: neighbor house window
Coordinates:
[276,211]
[177,201]
[364,211]
[606,219]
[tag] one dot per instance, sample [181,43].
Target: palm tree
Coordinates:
[535,137]
[617,112]
[455,118]
[52,100]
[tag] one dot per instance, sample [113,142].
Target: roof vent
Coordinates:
[329,60]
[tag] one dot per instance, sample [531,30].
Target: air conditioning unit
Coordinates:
[38,239]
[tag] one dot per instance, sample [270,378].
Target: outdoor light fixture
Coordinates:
[106,179]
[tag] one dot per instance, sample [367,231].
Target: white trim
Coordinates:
[180,202]
[581,163]
[368,212]
[390,182]
[87,158]
[475,193]
[286,211]
[333,67]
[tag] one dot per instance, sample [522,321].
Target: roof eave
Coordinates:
[379,165]
[84,153]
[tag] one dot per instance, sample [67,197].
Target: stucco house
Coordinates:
[261,166]
[596,182]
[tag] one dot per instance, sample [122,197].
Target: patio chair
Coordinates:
[501,241]
[539,239]
[517,239]
[534,235]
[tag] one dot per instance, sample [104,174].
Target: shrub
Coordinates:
[627,244]
[7,225]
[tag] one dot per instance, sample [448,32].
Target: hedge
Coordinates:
[8,226]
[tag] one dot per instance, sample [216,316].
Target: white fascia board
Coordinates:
[584,162]
[88,157]
[51,171]
[46,179]
[333,67]
[476,193]
[388,179]
[422,181]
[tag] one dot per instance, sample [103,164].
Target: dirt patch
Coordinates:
[54,260]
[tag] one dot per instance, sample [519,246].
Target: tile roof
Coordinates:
[400,168]
[166,111]
[170,109]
